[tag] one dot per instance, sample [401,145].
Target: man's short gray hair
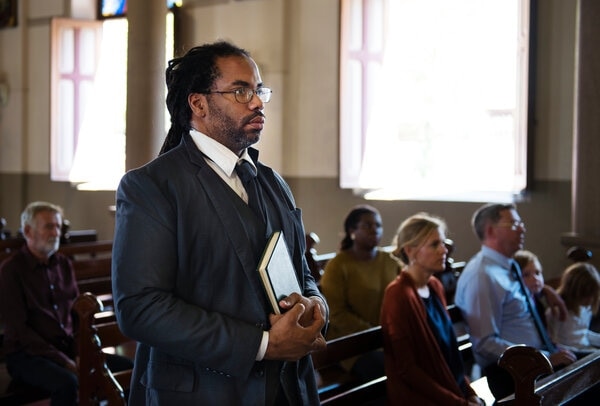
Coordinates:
[488,213]
[34,208]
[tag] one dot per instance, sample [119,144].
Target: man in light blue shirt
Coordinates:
[492,301]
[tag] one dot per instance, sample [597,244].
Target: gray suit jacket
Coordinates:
[185,285]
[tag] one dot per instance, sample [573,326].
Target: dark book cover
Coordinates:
[277,272]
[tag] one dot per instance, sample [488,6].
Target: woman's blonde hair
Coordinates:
[414,231]
[580,281]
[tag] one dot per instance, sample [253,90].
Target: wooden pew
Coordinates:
[4,232]
[82,237]
[68,236]
[92,263]
[9,245]
[338,386]
[97,335]
[316,270]
[570,384]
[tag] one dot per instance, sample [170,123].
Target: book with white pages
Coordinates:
[277,272]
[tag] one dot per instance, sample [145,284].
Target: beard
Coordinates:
[231,133]
[48,247]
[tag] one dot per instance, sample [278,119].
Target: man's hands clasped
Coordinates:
[297,332]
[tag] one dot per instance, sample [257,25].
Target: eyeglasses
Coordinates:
[244,95]
[514,225]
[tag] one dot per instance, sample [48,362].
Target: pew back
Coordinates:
[8,246]
[337,385]
[577,383]
[92,263]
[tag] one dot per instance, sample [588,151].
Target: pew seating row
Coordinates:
[98,334]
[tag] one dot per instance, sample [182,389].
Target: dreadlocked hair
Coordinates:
[195,72]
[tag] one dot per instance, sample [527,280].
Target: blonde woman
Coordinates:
[422,361]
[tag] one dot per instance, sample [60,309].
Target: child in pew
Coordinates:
[543,295]
[422,360]
[532,272]
[580,290]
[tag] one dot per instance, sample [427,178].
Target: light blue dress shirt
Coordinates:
[494,307]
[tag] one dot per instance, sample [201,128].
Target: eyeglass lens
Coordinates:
[245,94]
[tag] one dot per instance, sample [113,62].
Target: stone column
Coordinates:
[586,137]
[145,120]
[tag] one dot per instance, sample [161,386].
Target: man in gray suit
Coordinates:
[187,245]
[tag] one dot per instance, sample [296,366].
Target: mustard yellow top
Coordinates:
[354,291]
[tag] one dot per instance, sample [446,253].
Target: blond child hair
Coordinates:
[579,286]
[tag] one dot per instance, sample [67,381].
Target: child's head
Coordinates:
[531,269]
[580,286]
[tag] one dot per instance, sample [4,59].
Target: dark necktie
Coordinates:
[247,175]
[536,317]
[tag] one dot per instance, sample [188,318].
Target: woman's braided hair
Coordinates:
[195,72]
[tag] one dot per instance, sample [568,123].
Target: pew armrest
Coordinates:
[96,380]
[526,365]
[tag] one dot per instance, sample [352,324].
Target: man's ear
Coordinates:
[197,103]
[489,231]
[27,231]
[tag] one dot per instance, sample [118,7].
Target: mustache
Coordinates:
[257,113]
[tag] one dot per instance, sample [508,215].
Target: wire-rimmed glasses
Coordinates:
[244,95]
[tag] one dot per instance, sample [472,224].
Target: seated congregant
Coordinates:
[422,360]
[354,281]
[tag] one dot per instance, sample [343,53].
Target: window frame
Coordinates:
[59,136]
[352,153]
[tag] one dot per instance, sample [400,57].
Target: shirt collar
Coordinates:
[33,262]
[222,156]
[496,256]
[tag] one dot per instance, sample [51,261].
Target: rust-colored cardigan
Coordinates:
[417,373]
